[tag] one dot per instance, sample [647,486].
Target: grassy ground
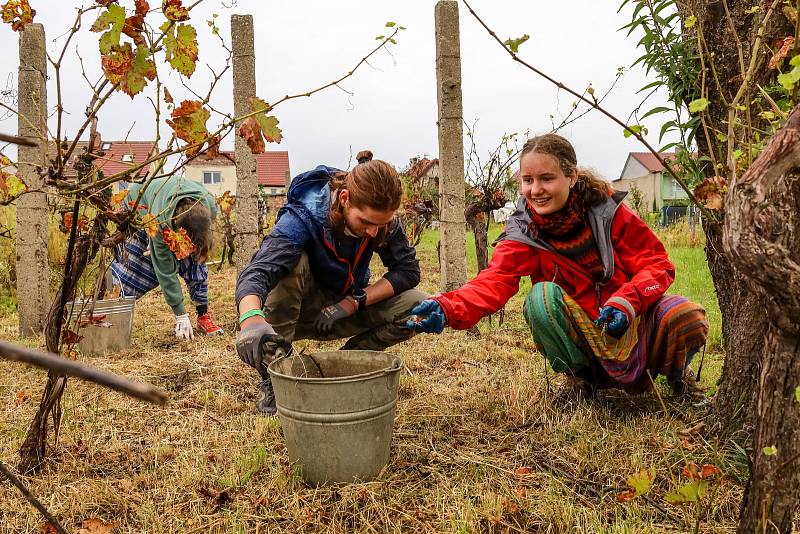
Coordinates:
[472,412]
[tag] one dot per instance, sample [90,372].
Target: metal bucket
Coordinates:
[113,332]
[337,412]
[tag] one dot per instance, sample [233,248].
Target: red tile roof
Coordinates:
[421,167]
[272,166]
[111,162]
[650,161]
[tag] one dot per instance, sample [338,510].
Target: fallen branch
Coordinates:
[31,499]
[67,367]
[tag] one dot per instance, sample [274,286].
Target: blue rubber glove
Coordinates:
[615,321]
[428,317]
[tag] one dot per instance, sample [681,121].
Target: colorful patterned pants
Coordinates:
[662,341]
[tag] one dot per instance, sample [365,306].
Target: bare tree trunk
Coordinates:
[762,236]
[481,235]
[743,329]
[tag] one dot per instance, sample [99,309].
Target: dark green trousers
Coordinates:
[296,301]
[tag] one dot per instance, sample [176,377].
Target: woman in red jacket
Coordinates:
[598,309]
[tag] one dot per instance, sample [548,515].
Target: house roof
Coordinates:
[421,167]
[272,166]
[119,156]
[650,162]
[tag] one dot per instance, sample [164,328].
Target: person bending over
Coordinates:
[142,263]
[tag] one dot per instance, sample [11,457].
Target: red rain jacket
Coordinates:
[637,269]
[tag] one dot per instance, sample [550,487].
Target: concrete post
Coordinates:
[452,230]
[33,271]
[244,86]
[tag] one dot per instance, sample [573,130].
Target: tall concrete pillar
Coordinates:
[33,271]
[452,229]
[244,86]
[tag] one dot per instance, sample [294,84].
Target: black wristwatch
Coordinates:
[360,296]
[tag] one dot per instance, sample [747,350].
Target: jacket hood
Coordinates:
[312,191]
[600,217]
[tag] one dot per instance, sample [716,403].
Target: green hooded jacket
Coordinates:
[160,198]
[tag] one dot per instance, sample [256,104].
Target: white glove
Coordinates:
[183,327]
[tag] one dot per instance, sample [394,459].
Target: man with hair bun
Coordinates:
[310,279]
[364,156]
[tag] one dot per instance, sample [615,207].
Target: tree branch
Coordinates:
[67,367]
[710,215]
[6,472]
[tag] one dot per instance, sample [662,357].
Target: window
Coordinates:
[106,146]
[127,158]
[273,191]
[212,177]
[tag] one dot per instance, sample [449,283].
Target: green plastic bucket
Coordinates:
[337,412]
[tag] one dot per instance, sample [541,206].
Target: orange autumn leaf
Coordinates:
[174,10]
[48,528]
[179,243]
[150,224]
[690,470]
[711,192]
[225,203]
[70,338]
[134,25]
[95,525]
[212,152]
[21,397]
[250,131]
[521,471]
[18,13]
[189,123]
[168,96]
[83,222]
[785,46]
[709,471]
[626,496]
[117,198]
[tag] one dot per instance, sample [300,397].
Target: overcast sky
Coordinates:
[303,44]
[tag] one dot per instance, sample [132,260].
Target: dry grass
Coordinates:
[471,411]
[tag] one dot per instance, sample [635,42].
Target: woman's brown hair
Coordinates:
[193,216]
[374,184]
[594,189]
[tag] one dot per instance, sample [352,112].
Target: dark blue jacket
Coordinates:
[303,226]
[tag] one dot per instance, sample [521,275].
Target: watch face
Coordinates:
[359,294]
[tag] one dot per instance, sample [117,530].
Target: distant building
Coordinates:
[661,193]
[119,156]
[219,174]
[425,172]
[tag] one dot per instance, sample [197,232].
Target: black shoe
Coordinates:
[266,398]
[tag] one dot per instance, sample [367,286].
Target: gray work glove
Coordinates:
[257,344]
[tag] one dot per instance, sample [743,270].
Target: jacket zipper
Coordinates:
[350,279]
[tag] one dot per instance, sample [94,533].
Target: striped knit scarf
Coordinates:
[569,233]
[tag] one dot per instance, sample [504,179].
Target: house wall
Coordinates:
[227,174]
[671,192]
[650,186]
[633,169]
